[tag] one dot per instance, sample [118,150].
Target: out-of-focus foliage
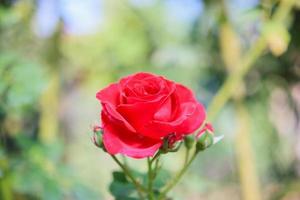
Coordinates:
[52,62]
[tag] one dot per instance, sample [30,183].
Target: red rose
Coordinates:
[142,109]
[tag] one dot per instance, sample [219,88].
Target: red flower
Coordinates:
[143,108]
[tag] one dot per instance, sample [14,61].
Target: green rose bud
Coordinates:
[205,137]
[97,137]
[205,140]
[189,141]
[171,143]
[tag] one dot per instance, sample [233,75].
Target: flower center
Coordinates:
[145,88]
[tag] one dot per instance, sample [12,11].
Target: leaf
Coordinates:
[119,176]
[121,188]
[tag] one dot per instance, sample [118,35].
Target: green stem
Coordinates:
[156,160]
[124,158]
[175,180]
[186,157]
[283,10]
[156,165]
[6,193]
[150,179]
[139,187]
[233,80]
[156,156]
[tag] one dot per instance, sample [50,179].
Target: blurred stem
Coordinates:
[6,192]
[246,63]
[49,111]
[156,156]
[186,156]
[49,102]
[150,179]
[231,51]
[235,78]
[283,10]
[248,176]
[125,161]
[156,165]
[139,187]
[233,81]
[177,177]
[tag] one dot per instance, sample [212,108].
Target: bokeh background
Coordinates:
[56,54]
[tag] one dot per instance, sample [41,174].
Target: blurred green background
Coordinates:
[56,54]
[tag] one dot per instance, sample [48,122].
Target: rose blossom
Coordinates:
[142,109]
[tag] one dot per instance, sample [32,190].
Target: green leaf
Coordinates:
[121,188]
[119,177]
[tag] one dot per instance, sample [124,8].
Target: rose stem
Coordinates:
[186,157]
[151,172]
[150,179]
[156,165]
[139,187]
[176,178]
[228,87]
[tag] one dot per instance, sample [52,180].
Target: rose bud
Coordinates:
[205,138]
[171,143]
[189,141]
[97,137]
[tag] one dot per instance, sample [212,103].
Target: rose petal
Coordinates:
[110,94]
[118,139]
[143,87]
[158,129]
[137,76]
[184,94]
[194,121]
[139,114]
[189,116]
[109,98]
[165,111]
